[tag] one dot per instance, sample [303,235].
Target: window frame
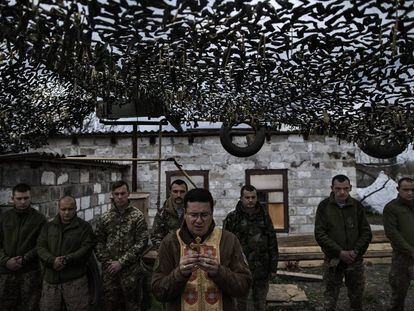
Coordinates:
[283,172]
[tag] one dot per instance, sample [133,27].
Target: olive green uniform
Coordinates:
[257,237]
[19,230]
[398,219]
[75,241]
[340,228]
[123,237]
[165,221]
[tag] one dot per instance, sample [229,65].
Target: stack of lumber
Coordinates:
[303,251]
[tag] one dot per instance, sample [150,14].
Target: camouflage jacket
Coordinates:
[121,236]
[257,237]
[165,221]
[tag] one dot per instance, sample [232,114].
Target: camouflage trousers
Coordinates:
[354,275]
[257,296]
[122,291]
[20,291]
[401,274]
[73,295]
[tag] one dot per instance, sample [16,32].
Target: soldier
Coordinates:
[343,233]
[200,266]
[170,217]
[64,246]
[20,276]
[252,225]
[398,220]
[122,238]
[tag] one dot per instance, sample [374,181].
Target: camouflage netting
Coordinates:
[341,68]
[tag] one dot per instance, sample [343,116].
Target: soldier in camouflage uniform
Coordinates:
[398,218]
[252,225]
[20,276]
[343,233]
[170,217]
[122,238]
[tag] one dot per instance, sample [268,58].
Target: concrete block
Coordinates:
[94,200]
[87,190]
[40,194]
[5,195]
[97,188]
[84,177]
[305,210]
[85,202]
[78,204]
[295,138]
[298,220]
[81,215]
[308,228]
[74,177]
[48,178]
[88,214]
[101,198]
[63,178]
[55,193]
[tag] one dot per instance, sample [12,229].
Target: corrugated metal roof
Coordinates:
[55,158]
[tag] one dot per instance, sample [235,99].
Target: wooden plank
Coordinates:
[300,276]
[288,293]
[378,236]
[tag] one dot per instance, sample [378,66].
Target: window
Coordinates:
[272,192]
[200,178]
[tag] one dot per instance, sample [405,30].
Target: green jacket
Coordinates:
[121,236]
[345,228]
[19,230]
[257,237]
[165,221]
[398,219]
[75,241]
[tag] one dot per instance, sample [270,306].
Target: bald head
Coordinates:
[67,209]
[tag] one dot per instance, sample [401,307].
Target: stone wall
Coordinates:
[310,163]
[89,184]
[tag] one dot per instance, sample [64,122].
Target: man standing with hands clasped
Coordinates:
[398,219]
[343,233]
[64,246]
[122,238]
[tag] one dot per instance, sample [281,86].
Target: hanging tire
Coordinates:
[376,149]
[242,152]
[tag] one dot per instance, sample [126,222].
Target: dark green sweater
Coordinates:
[345,228]
[19,230]
[75,241]
[398,218]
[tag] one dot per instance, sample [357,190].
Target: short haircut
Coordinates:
[198,195]
[406,179]
[340,178]
[21,188]
[119,184]
[179,182]
[67,198]
[249,188]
